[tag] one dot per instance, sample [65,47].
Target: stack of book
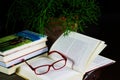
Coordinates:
[22,45]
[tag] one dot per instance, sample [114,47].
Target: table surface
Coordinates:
[10,77]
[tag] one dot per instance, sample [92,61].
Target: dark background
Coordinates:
[106,30]
[110,24]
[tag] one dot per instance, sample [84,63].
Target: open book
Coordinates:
[82,49]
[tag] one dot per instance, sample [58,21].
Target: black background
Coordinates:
[107,30]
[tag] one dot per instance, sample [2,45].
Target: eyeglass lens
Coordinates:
[45,68]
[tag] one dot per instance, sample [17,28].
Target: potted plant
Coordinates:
[47,16]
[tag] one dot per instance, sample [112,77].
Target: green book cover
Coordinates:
[12,41]
[18,39]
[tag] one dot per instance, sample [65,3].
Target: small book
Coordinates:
[18,41]
[82,53]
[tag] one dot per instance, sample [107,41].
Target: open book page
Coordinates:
[100,61]
[78,47]
[61,74]
[98,50]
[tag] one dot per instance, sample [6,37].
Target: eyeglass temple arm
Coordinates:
[28,64]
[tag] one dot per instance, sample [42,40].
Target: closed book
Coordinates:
[22,52]
[15,42]
[26,56]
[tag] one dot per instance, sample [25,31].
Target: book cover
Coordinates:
[13,42]
[20,40]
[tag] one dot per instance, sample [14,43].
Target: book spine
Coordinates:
[25,57]
[22,52]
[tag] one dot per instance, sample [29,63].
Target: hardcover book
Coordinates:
[15,42]
[69,58]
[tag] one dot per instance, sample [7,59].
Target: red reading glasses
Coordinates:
[43,69]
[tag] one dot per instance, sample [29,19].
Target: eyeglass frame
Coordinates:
[51,65]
